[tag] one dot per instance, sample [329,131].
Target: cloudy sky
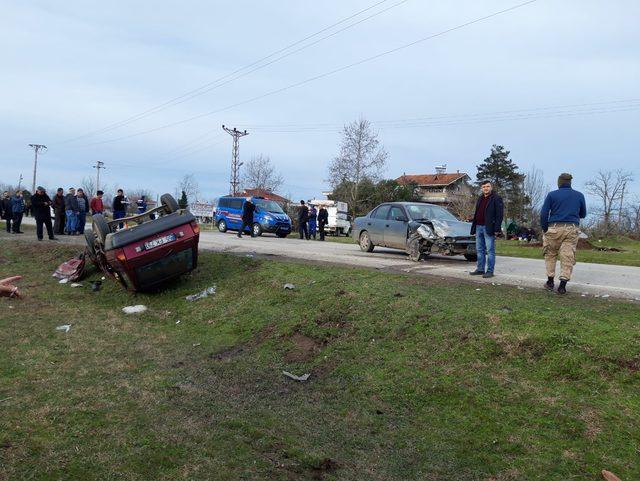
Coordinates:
[145,86]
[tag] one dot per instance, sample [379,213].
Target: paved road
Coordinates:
[589,279]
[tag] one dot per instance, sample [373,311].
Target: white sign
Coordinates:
[202,209]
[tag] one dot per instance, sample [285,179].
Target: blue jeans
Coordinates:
[71,223]
[119,214]
[486,247]
[82,220]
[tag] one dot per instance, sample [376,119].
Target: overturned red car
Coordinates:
[145,250]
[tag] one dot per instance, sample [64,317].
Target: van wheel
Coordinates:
[222,225]
[365,242]
[256,229]
[471,257]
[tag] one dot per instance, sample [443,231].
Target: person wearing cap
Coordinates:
[248,208]
[41,203]
[560,220]
[58,210]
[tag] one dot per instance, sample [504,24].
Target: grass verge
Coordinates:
[411,378]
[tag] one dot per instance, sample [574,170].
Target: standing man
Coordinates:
[17,211]
[323,218]
[303,218]
[83,206]
[142,204]
[559,218]
[313,216]
[119,206]
[71,212]
[248,208]
[5,209]
[487,222]
[96,205]
[41,204]
[58,209]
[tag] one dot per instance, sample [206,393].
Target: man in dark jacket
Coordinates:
[487,222]
[560,219]
[119,207]
[71,212]
[17,210]
[58,209]
[41,204]
[323,218]
[248,208]
[303,218]
[5,209]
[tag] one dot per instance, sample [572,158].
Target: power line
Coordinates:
[235,164]
[236,74]
[320,76]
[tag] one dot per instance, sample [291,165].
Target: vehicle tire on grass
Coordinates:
[222,226]
[91,247]
[471,257]
[169,203]
[256,229]
[365,242]
[101,227]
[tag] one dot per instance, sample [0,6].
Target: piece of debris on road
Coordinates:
[209,291]
[302,378]
[134,309]
[289,286]
[64,328]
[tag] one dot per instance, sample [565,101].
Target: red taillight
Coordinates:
[196,227]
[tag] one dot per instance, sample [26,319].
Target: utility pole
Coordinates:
[99,165]
[235,165]
[36,148]
[20,182]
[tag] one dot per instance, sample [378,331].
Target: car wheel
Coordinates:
[256,229]
[222,225]
[365,242]
[471,257]
[91,246]
[282,235]
[413,248]
[101,227]
[169,203]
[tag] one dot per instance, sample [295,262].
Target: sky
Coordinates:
[556,82]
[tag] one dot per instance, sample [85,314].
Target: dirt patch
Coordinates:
[592,424]
[234,351]
[327,465]
[334,318]
[305,348]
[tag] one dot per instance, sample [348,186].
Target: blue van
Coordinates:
[268,217]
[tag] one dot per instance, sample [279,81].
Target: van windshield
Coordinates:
[268,205]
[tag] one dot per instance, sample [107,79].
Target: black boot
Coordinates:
[549,284]
[562,288]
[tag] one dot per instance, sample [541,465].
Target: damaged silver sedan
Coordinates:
[417,228]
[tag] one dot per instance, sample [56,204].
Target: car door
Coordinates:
[395,228]
[375,224]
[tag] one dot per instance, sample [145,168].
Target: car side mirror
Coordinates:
[401,218]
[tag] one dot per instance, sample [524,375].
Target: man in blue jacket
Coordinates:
[17,209]
[560,219]
[487,222]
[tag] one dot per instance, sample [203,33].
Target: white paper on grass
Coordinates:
[134,309]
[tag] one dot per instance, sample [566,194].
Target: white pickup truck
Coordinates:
[338,223]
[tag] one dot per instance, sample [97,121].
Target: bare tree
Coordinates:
[88,185]
[462,202]
[535,190]
[361,157]
[259,173]
[189,185]
[610,188]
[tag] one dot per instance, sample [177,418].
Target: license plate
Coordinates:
[160,241]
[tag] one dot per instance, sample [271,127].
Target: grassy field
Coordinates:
[628,255]
[412,378]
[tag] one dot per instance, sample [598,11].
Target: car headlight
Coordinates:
[426,232]
[268,218]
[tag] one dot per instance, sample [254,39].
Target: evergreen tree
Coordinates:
[183,202]
[503,174]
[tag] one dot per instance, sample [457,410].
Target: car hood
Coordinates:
[451,228]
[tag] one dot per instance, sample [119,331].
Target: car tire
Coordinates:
[365,242]
[413,248]
[256,229]
[169,203]
[222,226]
[101,227]
[471,257]
[282,235]
[91,246]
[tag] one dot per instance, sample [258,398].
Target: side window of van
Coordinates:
[223,202]
[235,204]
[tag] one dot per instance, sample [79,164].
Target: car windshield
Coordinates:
[268,205]
[429,212]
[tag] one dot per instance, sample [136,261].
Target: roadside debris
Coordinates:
[76,284]
[196,344]
[604,296]
[209,291]
[96,285]
[302,378]
[64,327]
[289,286]
[178,321]
[63,281]
[134,309]
[71,270]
